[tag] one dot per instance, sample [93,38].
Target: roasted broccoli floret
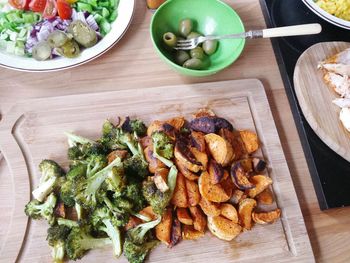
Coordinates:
[88,190]
[116,180]
[137,245]
[163,148]
[103,220]
[120,214]
[56,236]
[67,193]
[133,192]
[95,163]
[67,222]
[80,147]
[50,173]
[110,136]
[77,171]
[79,241]
[136,169]
[157,199]
[135,125]
[38,210]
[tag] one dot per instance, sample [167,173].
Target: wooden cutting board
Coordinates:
[34,130]
[315,98]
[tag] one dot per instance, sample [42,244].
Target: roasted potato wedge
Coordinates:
[245,210]
[201,157]
[180,198]
[163,229]
[187,173]
[234,138]
[261,182]
[146,141]
[209,208]
[198,141]
[264,218]
[211,192]
[250,140]
[192,192]
[237,196]
[189,233]
[265,197]
[203,113]
[154,126]
[175,233]
[148,212]
[122,154]
[230,212]
[219,148]
[223,228]
[199,219]
[239,177]
[227,184]
[184,216]
[186,157]
[216,172]
[177,122]
[160,179]
[153,162]
[133,222]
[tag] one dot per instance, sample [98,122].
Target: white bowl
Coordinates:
[325,15]
[119,27]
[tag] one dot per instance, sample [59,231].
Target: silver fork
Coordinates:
[306,29]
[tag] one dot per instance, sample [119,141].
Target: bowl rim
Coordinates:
[325,15]
[204,72]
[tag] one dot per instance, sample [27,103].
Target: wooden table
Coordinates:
[133,63]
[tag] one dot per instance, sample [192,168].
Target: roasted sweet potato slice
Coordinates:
[219,148]
[211,192]
[204,113]
[210,124]
[250,140]
[187,173]
[238,146]
[201,157]
[192,192]
[163,229]
[177,122]
[153,162]
[197,140]
[230,212]
[60,210]
[237,196]
[264,218]
[239,177]
[175,233]
[209,208]
[122,154]
[133,222]
[216,172]
[146,141]
[227,184]
[184,216]
[245,210]
[148,212]
[199,219]
[189,233]
[154,126]
[179,198]
[265,197]
[223,228]
[261,182]
[186,157]
[160,179]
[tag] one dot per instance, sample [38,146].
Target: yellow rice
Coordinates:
[338,8]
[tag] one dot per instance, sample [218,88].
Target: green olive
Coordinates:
[210,46]
[193,63]
[193,35]
[181,56]
[197,52]
[82,33]
[170,39]
[70,49]
[41,51]
[185,27]
[57,38]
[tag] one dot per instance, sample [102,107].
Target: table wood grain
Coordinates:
[133,63]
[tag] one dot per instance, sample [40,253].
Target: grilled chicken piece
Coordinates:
[342,103]
[340,84]
[344,116]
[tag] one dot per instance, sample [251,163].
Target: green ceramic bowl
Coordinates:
[210,17]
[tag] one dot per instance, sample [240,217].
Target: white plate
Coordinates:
[119,27]
[325,15]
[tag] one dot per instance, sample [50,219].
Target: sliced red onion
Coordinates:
[90,20]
